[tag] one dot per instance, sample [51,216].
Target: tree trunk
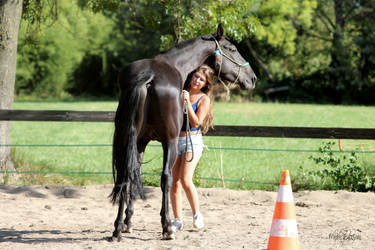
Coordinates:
[341,66]
[10,17]
[338,35]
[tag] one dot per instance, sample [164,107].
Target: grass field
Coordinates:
[258,160]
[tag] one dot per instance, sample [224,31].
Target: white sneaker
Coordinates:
[177,225]
[198,220]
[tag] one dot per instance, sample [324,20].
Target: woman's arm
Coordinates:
[196,119]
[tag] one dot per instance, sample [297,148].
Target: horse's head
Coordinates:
[229,64]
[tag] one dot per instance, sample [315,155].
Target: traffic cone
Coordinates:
[284,234]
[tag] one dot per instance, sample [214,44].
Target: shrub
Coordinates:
[339,171]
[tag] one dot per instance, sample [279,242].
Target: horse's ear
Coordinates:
[219,32]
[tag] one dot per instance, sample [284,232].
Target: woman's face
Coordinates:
[198,80]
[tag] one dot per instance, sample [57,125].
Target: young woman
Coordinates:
[199,106]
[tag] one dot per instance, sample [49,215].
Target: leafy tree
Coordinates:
[339,32]
[264,31]
[194,18]
[10,16]
[46,62]
[276,39]
[135,34]
[93,50]
[362,32]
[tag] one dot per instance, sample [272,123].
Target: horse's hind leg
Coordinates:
[130,208]
[170,155]
[129,213]
[119,225]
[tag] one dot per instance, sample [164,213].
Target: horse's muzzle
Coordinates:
[250,83]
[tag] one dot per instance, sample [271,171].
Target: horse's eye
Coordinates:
[230,48]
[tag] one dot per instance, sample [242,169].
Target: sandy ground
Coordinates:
[40,217]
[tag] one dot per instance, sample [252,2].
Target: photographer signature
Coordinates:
[346,234]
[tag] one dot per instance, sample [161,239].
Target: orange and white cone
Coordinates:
[284,233]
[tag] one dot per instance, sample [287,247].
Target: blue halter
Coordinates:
[218,52]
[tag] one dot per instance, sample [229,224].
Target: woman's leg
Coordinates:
[175,193]
[186,178]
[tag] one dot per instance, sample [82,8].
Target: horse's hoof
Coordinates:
[119,238]
[127,230]
[114,237]
[169,236]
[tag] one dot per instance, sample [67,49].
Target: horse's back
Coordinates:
[149,70]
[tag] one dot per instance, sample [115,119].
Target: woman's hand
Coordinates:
[186,95]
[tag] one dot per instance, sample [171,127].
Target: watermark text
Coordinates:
[346,234]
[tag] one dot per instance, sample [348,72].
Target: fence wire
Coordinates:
[153,174]
[214,148]
[145,173]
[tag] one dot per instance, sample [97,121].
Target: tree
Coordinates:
[72,42]
[340,71]
[345,31]
[362,31]
[276,40]
[262,29]
[11,12]
[135,34]
[10,16]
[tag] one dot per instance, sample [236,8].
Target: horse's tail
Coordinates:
[125,164]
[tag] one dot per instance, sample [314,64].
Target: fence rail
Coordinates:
[220,130]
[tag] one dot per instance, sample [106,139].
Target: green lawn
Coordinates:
[250,159]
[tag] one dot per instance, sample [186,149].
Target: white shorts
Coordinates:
[197,146]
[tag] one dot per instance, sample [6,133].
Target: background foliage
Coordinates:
[318,51]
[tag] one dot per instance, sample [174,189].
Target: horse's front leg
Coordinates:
[170,156]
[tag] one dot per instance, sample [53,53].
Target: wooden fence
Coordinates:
[220,130]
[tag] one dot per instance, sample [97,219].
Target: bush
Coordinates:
[339,172]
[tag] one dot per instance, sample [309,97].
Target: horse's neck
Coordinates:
[190,57]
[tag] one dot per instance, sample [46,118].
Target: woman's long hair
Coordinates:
[208,72]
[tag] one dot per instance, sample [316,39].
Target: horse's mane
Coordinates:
[185,43]
[180,45]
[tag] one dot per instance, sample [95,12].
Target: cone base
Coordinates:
[282,243]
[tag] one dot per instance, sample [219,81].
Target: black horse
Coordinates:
[150,108]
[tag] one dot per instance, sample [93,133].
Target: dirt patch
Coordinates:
[82,218]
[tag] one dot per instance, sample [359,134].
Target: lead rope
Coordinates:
[188,135]
[219,52]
